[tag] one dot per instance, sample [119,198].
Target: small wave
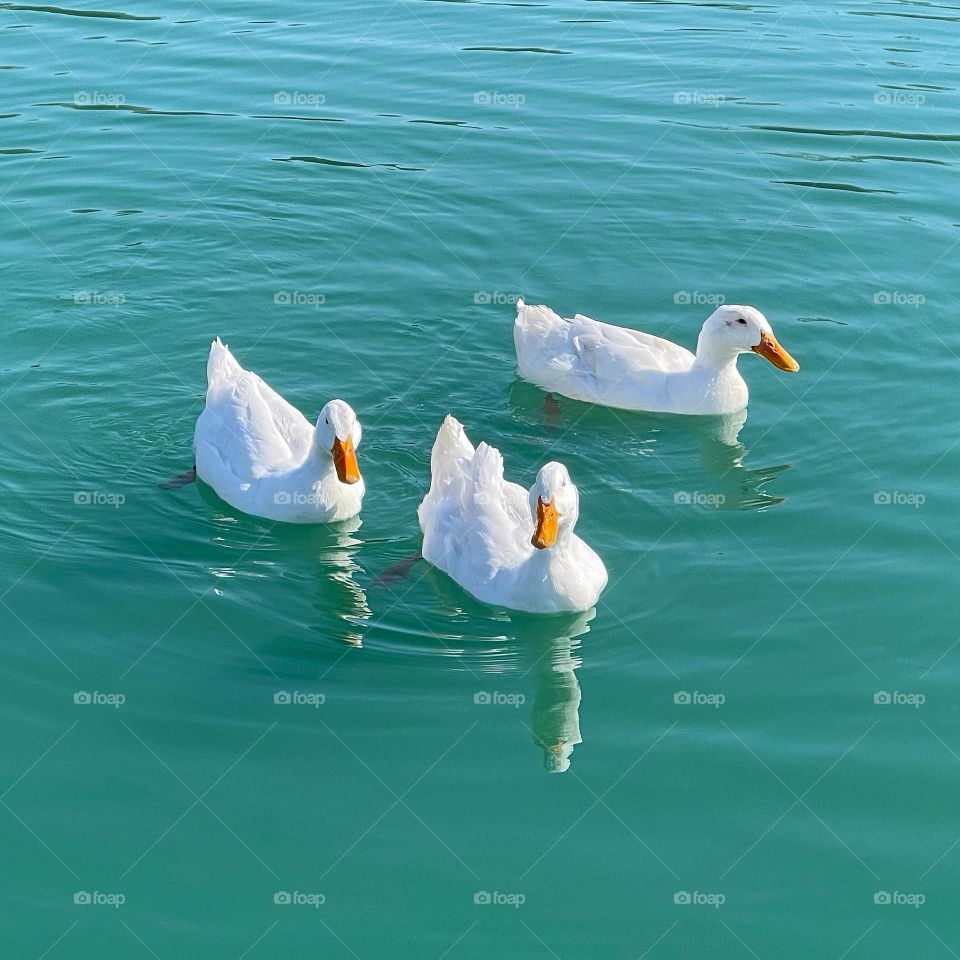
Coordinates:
[559,53]
[824,185]
[447,123]
[839,323]
[855,158]
[891,134]
[132,108]
[346,163]
[103,14]
[282,116]
[907,16]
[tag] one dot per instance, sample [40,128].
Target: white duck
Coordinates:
[618,367]
[264,457]
[504,545]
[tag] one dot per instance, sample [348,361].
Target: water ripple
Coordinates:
[891,134]
[64,11]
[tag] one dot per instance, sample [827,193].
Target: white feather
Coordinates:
[618,367]
[478,527]
[260,454]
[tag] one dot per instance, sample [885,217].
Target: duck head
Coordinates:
[338,436]
[731,330]
[555,504]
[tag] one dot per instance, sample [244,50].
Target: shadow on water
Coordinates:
[716,439]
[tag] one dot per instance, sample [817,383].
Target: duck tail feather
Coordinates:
[450,450]
[221,364]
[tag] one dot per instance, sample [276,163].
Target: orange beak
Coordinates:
[548,524]
[345,460]
[769,349]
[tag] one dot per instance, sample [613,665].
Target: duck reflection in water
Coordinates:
[339,591]
[717,440]
[252,543]
[550,647]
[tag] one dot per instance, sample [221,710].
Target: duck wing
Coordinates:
[498,518]
[246,424]
[608,352]
[473,521]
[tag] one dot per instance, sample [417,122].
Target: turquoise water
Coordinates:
[352,196]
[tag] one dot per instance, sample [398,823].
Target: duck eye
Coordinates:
[741,320]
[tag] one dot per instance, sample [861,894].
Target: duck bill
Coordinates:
[548,525]
[345,460]
[770,349]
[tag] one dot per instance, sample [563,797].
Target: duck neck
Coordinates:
[715,357]
[322,456]
[549,555]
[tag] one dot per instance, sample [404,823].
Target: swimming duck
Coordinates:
[503,544]
[618,367]
[263,457]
